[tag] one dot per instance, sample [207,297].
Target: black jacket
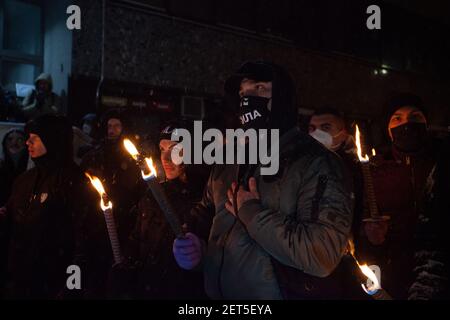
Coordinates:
[46,214]
[158,275]
[431,270]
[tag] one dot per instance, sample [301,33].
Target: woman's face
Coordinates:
[15,143]
[171,170]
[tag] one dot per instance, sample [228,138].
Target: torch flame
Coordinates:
[131,148]
[374,153]
[358,146]
[365,270]
[371,275]
[152,169]
[351,248]
[101,191]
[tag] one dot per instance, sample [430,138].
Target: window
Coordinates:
[21,42]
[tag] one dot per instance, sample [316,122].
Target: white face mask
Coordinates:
[327,139]
[323,137]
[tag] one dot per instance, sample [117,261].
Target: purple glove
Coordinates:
[188,251]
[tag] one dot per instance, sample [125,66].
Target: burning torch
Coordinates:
[368,183]
[374,290]
[149,175]
[106,206]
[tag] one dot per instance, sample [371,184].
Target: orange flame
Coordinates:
[365,270]
[97,184]
[371,275]
[152,169]
[358,146]
[374,152]
[131,148]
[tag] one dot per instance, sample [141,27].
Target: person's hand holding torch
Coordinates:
[149,175]
[376,226]
[187,248]
[373,289]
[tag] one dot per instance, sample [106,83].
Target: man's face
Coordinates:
[331,124]
[404,115]
[36,147]
[43,86]
[250,87]
[15,143]
[114,129]
[171,170]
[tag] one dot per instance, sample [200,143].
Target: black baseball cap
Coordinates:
[253,70]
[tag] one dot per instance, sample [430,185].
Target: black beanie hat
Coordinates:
[56,133]
[284,113]
[170,128]
[399,100]
[113,114]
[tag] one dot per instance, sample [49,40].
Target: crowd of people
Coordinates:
[246,235]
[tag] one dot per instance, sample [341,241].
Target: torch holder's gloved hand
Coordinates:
[188,251]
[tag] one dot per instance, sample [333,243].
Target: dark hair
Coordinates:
[89,118]
[329,110]
[114,114]
[333,111]
[8,162]
[14,130]
[170,126]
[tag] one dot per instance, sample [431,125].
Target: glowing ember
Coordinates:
[130,147]
[358,146]
[101,191]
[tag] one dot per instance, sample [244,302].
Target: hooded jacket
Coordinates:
[302,222]
[400,183]
[432,243]
[10,169]
[283,115]
[283,245]
[35,104]
[120,174]
[46,213]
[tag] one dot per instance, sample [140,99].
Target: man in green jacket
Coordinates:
[271,237]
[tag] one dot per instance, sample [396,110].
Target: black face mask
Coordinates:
[253,112]
[409,137]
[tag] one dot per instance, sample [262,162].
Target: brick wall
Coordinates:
[147,48]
